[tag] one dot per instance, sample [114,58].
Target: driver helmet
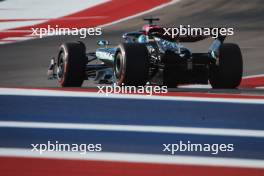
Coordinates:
[142,39]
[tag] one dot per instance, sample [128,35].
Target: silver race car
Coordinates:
[149,56]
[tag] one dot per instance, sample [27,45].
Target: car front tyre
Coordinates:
[71,64]
[131,65]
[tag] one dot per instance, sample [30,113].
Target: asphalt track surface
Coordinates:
[25,63]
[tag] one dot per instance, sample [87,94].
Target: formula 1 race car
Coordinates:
[148,56]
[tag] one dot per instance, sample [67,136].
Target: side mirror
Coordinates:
[103,42]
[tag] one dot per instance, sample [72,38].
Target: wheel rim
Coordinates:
[119,69]
[61,66]
[118,65]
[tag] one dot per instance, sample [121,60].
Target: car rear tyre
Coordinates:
[71,64]
[228,74]
[131,65]
[171,71]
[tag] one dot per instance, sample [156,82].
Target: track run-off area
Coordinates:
[132,130]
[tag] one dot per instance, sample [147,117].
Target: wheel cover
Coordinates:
[61,66]
[119,69]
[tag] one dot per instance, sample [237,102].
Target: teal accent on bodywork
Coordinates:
[106,55]
[214,48]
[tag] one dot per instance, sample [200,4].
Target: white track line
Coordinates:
[38,9]
[137,158]
[19,38]
[136,128]
[208,86]
[253,76]
[43,13]
[196,86]
[61,93]
[5,42]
